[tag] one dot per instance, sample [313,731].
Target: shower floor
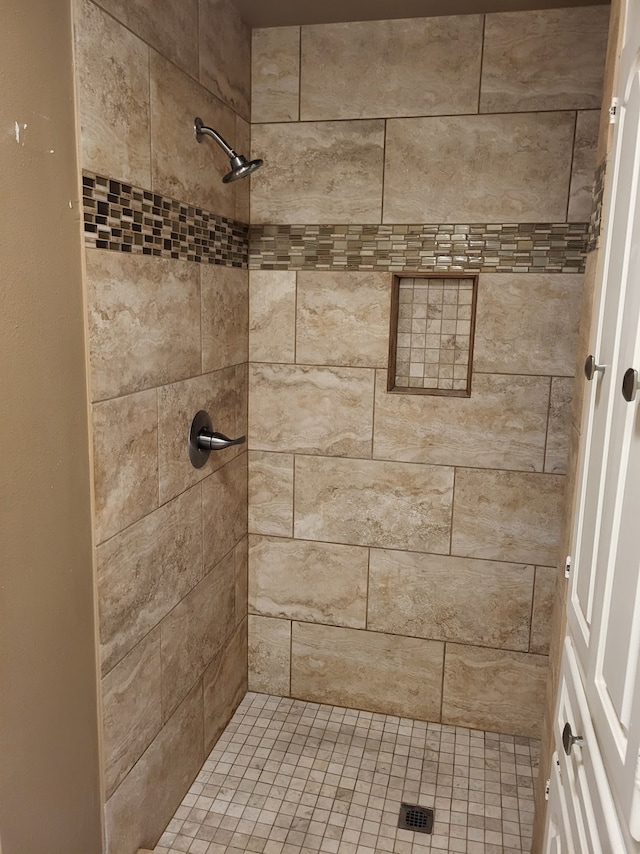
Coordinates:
[290,777]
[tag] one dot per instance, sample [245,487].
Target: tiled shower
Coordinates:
[371,550]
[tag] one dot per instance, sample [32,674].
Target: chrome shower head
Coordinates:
[240,166]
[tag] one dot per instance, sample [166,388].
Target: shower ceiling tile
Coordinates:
[503,424]
[272,316]
[379,69]
[269,655]
[373,503]
[275,74]
[271,493]
[564,51]
[452,168]
[318,172]
[112,67]
[225,54]
[365,670]
[512,516]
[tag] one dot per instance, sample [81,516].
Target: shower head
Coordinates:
[240,166]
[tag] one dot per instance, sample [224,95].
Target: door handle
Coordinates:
[203,439]
[629,385]
[569,739]
[591,368]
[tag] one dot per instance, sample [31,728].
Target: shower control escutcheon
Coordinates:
[203,439]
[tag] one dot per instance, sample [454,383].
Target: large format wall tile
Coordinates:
[224,685]
[182,168]
[584,166]
[343,319]
[132,708]
[224,510]
[275,74]
[241,571]
[272,316]
[366,670]
[112,69]
[311,410]
[543,604]
[375,69]
[269,655]
[242,189]
[557,451]
[312,582]
[174,33]
[544,60]
[318,172]
[363,502]
[271,493]
[125,461]
[143,804]
[225,316]
[215,393]
[452,169]
[527,323]
[225,54]
[144,322]
[510,516]
[477,602]
[146,570]
[502,425]
[494,690]
[195,630]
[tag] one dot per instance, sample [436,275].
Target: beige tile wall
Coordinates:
[402,548]
[166,338]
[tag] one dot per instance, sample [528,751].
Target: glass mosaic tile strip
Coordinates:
[124,218]
[441,248]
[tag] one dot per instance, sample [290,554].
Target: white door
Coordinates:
[604,597]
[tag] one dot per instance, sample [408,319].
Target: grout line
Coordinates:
[573,154]
[533,599]
[546,435]
[482,45]
[299,73]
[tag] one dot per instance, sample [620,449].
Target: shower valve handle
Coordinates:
[203,439]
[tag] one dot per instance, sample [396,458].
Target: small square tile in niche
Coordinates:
[432,330]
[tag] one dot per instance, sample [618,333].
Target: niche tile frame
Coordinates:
[408,338]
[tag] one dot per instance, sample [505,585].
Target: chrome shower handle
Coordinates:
[203,439]
[208,441]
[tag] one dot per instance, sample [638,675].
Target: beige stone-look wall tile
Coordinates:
[375,69]
[543,605]
[146,570]
[478,602]
[112,76]
[269,655]
[452,169]
[318,172]
[125,461]
[195,630]
[241,565]
[502,425]
[366,670]
[275,74]
[142,806]
[144,322]
[311,582]
[494,690]
[216,394]
[510,516]
[272,316]
[343,318]
[242,189]
[271,493]
[527,323]
[373,503]
[225,54]
[182,167]
[131,708]
[311,410]
[225,316]
[224,684]
[552,59]
[584,166]
[557,452]
[174,33]
[224,510]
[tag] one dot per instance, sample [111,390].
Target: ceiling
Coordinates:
[281,13]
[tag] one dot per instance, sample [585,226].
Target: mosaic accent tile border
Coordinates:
[124,218]
[596,211]
[517,248]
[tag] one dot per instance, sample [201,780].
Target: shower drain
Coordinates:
[415,818]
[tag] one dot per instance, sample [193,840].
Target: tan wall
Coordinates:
[167,338]
[49,766]
[402,548]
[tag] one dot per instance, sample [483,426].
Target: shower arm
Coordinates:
[202,130]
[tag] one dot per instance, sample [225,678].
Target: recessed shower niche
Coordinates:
[431,337]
